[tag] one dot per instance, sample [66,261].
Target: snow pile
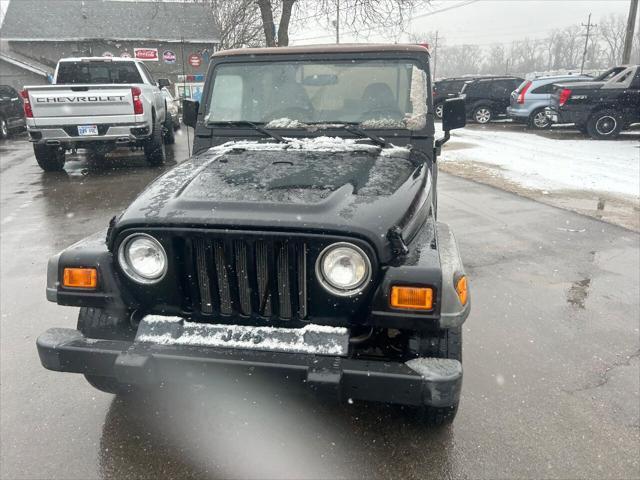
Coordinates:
[540,162]
[285,123]
[312,339]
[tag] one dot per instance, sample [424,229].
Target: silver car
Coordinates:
[529,100]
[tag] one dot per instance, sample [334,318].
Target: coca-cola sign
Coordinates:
[147,54]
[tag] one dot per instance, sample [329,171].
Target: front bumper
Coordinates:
[433,382]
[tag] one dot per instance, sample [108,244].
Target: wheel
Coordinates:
[443,344]
[604,125]
[154,146]
[538,120]
[49,157]
[109,385]
[438,111]
[4,128]
[482,114]
[169,132]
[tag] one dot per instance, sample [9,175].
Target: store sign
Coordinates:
[125,55]
[169,57]
[147,54]
[107,54]
[195,60]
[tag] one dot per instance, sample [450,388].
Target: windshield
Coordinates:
[374,94]
[97,72]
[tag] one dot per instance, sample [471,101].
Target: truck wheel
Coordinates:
[108,385]
[443,344]
[154,147]
[169,132]
[604,125]
[482,114]
[438,111]
[49,157]
[538,120]
[4,128]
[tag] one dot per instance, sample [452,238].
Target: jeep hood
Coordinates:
[320,185]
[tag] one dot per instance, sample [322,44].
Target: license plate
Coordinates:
[85,130]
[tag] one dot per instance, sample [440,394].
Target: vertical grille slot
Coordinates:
[254,277]
[204,285]
[224,290]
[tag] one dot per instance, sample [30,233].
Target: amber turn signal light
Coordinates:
[80,278]
[461,288]
[413,298]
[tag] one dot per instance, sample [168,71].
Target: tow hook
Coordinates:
[394,235]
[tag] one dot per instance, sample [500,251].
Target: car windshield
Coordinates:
[97,72]
[374,94]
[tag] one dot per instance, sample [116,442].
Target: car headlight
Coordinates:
[143,258]
[343,269]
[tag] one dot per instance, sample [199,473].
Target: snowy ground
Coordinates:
[560,166]
[551,162]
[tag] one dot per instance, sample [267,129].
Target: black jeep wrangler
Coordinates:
[300,237]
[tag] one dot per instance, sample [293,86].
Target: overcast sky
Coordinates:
[478,21]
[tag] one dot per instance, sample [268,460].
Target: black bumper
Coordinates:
[67,350]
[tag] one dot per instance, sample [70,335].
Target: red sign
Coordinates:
[195,60]
[148,54]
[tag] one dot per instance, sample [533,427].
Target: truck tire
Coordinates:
[104,324]
[49,157]
[482,114]
[604,125]
[169,132]
[154,146]
[4,128]
[538,120]
[443,344]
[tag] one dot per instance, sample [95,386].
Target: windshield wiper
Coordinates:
[257,128]
[364,134]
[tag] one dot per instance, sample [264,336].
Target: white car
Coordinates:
[97,103]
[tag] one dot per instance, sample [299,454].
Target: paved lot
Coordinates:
[551,357]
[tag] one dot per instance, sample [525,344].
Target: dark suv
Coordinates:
[11,111]
[487,98]
[447,88]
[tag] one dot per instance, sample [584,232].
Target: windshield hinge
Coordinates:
[394,235]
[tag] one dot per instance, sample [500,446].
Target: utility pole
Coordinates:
[435,55]
[338,21]
[586,41]
[628,37]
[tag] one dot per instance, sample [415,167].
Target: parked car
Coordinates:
[488,98]
[11,111]
[97,103]
[601,108]
[532,97]
[444,89]
[173,108]
[322,259]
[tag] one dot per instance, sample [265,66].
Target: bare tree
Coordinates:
[612,30]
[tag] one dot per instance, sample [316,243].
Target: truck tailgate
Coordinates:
[65,102]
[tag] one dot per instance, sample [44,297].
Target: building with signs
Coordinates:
[173,38]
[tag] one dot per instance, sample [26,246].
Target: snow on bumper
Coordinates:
[427,381]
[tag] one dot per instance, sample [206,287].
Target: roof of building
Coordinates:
[74,20]
[23,62]
[329,48]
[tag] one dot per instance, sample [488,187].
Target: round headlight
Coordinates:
[343,269]
[142,258]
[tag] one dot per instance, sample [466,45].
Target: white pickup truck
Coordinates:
[97,103]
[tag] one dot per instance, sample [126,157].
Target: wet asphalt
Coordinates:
[551,357]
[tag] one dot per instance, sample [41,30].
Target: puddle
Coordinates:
[578,293]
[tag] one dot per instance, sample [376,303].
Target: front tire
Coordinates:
[50,158]
[604,125]
[442,344]
[438,111]
[154,147]
[4,128]
[538,120]
[482,114]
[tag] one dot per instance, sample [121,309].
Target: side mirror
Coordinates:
[190,112]
[163,82]
[454,114]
